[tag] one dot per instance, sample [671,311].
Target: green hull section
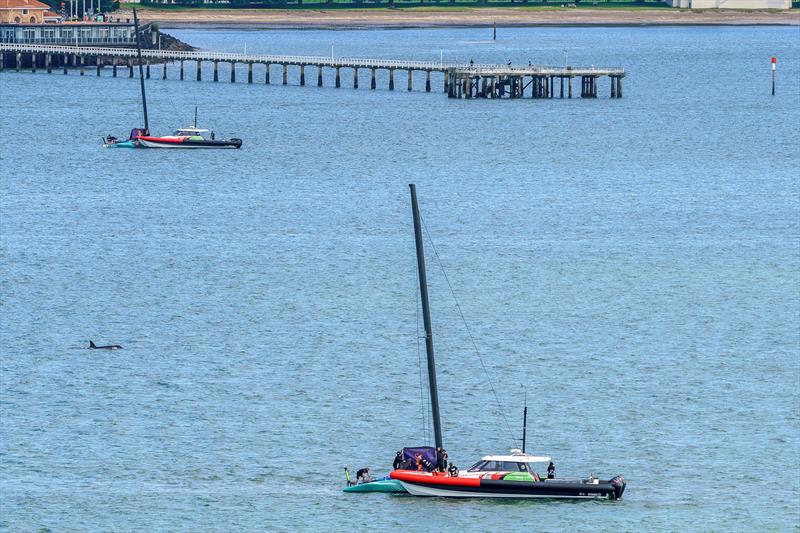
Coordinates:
[383,485]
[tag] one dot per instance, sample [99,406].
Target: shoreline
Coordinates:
[419,18]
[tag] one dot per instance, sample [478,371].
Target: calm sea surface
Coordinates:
[634,263]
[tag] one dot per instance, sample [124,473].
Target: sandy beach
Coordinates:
[442,17]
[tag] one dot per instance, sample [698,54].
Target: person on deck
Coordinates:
[362,476]
[398,460]
[441,460]
[551,471]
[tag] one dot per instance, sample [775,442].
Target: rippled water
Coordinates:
[634,263]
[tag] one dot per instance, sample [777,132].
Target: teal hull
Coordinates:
[383,485]
[122,144]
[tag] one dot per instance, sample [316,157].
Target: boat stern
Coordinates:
[619,485]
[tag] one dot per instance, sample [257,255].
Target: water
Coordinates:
[633,262]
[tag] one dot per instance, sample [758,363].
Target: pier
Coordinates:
[458,80]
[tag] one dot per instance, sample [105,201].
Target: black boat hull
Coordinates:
[489,488]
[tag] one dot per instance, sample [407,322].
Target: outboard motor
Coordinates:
[618,483]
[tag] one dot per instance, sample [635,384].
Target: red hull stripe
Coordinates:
[163,140]
[423,478]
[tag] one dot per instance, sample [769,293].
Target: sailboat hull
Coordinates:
[177,142]
[419,484]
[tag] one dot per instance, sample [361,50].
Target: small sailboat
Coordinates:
[509,475]
[182,138]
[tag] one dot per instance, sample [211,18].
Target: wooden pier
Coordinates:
[458,80]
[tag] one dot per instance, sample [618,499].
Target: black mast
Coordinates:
[524,426]
[426,318]
[141,71]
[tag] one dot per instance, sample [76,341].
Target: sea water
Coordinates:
[630,265]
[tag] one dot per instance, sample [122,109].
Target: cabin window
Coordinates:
[24,11]
[498,466]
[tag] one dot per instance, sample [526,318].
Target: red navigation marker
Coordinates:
[774,60]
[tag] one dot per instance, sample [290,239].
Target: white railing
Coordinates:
[333,62]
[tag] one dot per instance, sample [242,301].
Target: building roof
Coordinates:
[23,4]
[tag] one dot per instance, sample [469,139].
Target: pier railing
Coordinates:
[467,80]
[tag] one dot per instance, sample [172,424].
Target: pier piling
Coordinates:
[147,70]
[302,75]
[427,81]
[372,83]
[216,71]
[48,63]
[164,71]
[410,81]
[355,77]
[391,79]
[338,78]
[233,72]
[19,60]
[266,74]
[82,65]
[199,72]
[250,72]
[285,76]
[181,70]
[319,76]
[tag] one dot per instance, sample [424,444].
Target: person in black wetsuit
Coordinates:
[362,476]
[551,471]
[398,460]
[441,459]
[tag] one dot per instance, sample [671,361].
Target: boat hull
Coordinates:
[381,485]
[121,144]
[156,142]
[420,484]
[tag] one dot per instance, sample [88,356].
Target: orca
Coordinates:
[93,346]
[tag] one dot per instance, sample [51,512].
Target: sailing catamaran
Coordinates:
[181,138]
[495,476]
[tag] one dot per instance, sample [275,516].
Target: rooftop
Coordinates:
[22,4]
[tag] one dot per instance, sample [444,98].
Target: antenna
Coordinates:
[525,420]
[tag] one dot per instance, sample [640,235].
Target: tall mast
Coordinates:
[525,420]
[426,318]
[141,71]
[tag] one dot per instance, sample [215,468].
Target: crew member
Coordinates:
[441,459]
[551,471]
[398,460]
[363,475]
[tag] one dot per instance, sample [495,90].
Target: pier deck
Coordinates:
[459,80]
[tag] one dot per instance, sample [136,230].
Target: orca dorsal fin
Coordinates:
[92,345]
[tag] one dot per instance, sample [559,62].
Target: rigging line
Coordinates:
[469,332]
